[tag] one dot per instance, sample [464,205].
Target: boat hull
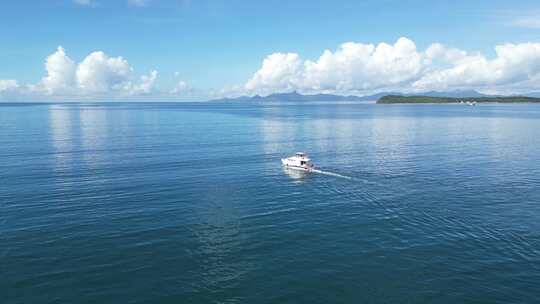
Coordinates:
[298,168]
[286,163]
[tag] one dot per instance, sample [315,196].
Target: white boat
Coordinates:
[300,161]
[295,174]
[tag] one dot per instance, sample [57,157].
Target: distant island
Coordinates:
[390,98]
[297,97]
[400,99]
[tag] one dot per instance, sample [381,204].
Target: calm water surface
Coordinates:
[187,203]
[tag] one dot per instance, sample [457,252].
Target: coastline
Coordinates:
[397,99]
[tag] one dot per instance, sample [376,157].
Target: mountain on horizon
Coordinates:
[295,96]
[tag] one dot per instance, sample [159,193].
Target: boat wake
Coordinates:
[300,161]
[330,174]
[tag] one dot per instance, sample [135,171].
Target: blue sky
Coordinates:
[211,45]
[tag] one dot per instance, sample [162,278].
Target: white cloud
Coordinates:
[514,64]
[356,68]
[438,51]
[279,72]
[60,73]
[98,73]
[8,85]
[10,90]
[146,85]
[352,67]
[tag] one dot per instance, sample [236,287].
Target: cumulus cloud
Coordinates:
[365,68]
[513,65]
[437,51]
[357,66]
[146,85]
[279,72]
[96,75]
[60,73]
[99,73]
[352,67]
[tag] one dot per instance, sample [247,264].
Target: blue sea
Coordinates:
[188,203]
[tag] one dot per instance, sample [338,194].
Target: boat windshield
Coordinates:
[300,154]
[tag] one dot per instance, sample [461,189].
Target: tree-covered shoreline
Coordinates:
[398,99]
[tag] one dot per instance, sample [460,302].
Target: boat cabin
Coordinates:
[299,160]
